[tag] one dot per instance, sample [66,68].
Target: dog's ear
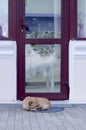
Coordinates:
[30,103]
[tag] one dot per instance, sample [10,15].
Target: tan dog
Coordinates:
[36,103]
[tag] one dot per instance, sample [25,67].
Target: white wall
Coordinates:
[8,70]
[77,71]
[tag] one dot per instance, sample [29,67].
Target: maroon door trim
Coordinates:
[64,49]
[73,19]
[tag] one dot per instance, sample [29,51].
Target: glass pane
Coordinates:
[4,18]
[42,68]
[81,18]
[43,18]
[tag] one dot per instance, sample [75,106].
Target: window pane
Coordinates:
[81,18]
[42,68]
[4,18]
[43,19]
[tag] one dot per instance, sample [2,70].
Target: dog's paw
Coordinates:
[39,108]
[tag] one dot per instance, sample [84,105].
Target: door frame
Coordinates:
[64,95]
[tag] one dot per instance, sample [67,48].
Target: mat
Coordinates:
[52,109]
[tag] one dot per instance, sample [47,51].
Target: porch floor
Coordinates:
[15,118]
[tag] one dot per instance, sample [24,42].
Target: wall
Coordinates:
[8,69]
[77,69]
[77,72]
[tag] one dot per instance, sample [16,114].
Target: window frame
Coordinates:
[73,21]
[21,41]
[14,27]
[12,24]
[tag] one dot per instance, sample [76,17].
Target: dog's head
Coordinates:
[32,102]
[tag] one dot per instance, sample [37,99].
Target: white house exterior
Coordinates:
[77,61]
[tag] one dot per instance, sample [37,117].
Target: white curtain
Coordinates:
[4,17]
[81,15]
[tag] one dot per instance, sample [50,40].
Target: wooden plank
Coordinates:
[75,120]
[4,118]
[1,111]
[41,121]
[65,119]
[19,119]
[48,121]
[81,113]
[62,122]
[33,120]
[11,119]
[26,121]
[56,121]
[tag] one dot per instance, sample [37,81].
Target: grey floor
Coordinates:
[15,118]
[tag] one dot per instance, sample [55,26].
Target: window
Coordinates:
[81,18]
[43,68]
[43,36]
[43,19]
[3,19]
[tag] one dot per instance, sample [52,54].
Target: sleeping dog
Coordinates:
[35,103]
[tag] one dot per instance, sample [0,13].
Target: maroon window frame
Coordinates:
[16,11]
[64,94]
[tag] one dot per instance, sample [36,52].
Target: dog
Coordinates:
[36,103]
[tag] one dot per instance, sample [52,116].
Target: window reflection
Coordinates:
[81,18]
[4,19]
[43,18]
[42,67]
